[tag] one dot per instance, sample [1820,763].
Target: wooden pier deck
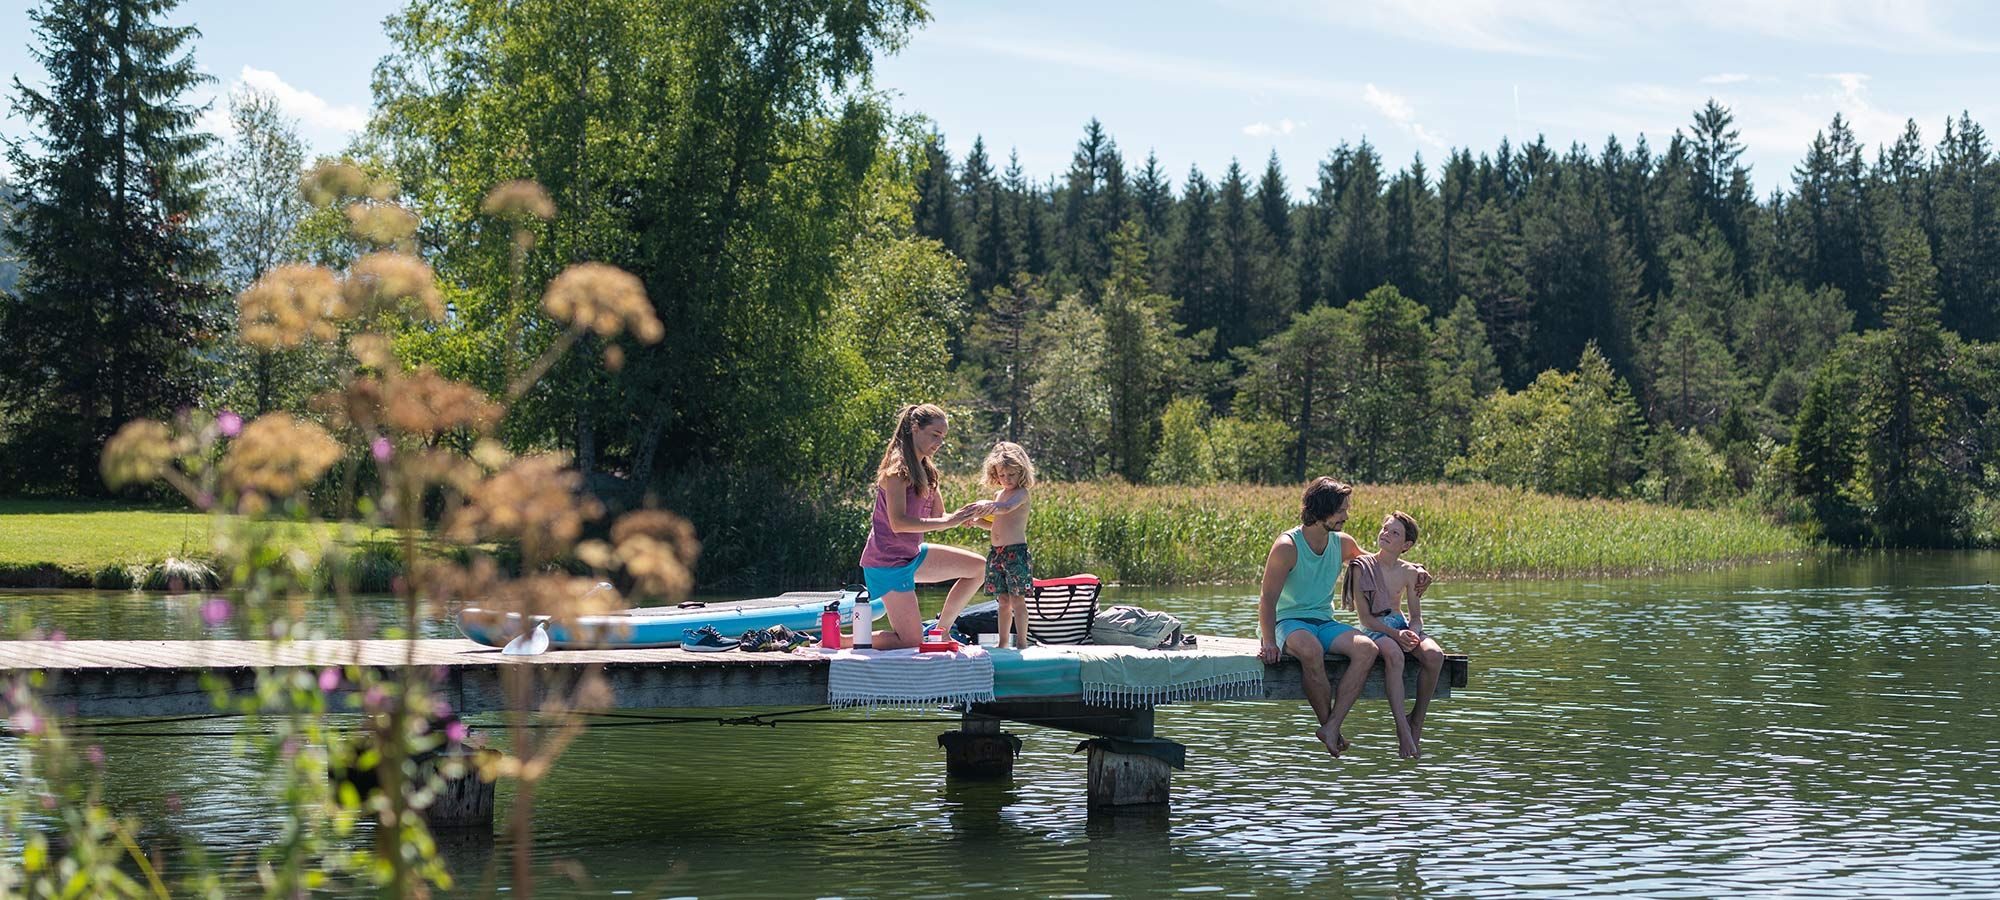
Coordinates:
[1128,764]
[89,679]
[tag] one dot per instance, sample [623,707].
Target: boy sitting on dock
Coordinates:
[1295,607]
[1376,584]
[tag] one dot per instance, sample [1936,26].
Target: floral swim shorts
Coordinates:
[1009,570]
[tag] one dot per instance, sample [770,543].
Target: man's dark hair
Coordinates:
[1324,498]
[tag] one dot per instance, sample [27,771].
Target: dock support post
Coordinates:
[1131,772]
[979,749]
[466,799]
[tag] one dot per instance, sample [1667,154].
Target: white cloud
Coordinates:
[1398,110]
[1154,69]
[1589,28]
[1390,105]
[1725,78]
[307,107]
[1281,128]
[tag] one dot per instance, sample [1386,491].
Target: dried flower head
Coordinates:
[535,500]
[140,452]
[381,224]
[275,456]
[421,403]
[604,299]
[657,549]
[424,402]
[519,200]
[329,182]
[432,466]
[374,351]
[288,305]
[387,282]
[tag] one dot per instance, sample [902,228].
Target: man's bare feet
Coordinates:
[1335,746]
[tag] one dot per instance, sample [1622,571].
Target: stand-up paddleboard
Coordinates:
[664,626]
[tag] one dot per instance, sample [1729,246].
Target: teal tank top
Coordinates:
[1308,591]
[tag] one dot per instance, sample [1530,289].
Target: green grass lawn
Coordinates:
[85,543]
[88,535]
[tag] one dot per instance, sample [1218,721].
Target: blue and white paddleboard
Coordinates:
[664,626]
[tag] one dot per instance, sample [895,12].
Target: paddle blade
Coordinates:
[534,643]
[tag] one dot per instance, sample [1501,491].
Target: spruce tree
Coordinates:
[114,292]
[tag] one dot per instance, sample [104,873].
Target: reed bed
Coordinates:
[1221,533]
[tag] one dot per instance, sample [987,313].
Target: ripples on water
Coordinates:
[1817,728]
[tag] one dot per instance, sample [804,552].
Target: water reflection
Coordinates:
[1821,726]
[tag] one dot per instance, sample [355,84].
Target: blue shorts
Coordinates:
[1393,620]
[881,580]
[1327,632]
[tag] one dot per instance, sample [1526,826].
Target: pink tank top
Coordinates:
[888,548]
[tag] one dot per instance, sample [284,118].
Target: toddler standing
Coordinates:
[1009,568]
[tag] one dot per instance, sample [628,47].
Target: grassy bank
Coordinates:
[82,544]
[1134,535]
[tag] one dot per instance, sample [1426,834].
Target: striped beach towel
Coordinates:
[908,679]
[1134,677]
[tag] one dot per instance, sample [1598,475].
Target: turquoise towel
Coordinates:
[1126,676]
[1036,672]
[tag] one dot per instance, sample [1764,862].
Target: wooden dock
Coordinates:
[91,679]
[138,679]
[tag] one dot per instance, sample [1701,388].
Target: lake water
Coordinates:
[1824,727]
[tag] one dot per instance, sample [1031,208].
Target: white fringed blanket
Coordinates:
[1132,677]
[906,678]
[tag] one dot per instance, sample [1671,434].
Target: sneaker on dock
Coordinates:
[705,640]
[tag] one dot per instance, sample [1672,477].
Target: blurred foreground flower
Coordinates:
[658,550]
[604,299]
[385,282]
[288,305]
[535,500]
[140,452]
[518,199]
[275,456]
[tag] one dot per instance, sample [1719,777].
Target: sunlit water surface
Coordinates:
[1822,728]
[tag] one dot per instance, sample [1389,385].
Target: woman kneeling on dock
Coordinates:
[907,502]
[1295,607]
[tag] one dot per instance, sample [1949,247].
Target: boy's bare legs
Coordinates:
[1311,654]
[1431,657]
[1006,611]
[1360,653]
[1392,680]
[1020,620]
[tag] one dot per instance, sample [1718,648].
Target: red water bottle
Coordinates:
[829,626]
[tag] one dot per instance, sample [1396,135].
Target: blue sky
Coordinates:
[1203,81]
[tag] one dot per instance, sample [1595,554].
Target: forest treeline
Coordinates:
[1598,322]
[1610,322]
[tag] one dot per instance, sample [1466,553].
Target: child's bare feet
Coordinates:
[1417,726]
[1407,743]
[1337,744]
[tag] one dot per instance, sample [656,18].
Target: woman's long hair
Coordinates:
[903,448]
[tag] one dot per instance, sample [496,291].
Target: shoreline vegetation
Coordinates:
[1127,534]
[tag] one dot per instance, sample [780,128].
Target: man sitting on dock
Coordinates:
[1295,607]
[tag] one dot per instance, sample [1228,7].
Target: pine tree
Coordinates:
[1144,355]
[1359,257]
[113,292]
[1834,221]
[1197,279]
[1964,224]
[986,252]
[937,194]
[1238,294]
